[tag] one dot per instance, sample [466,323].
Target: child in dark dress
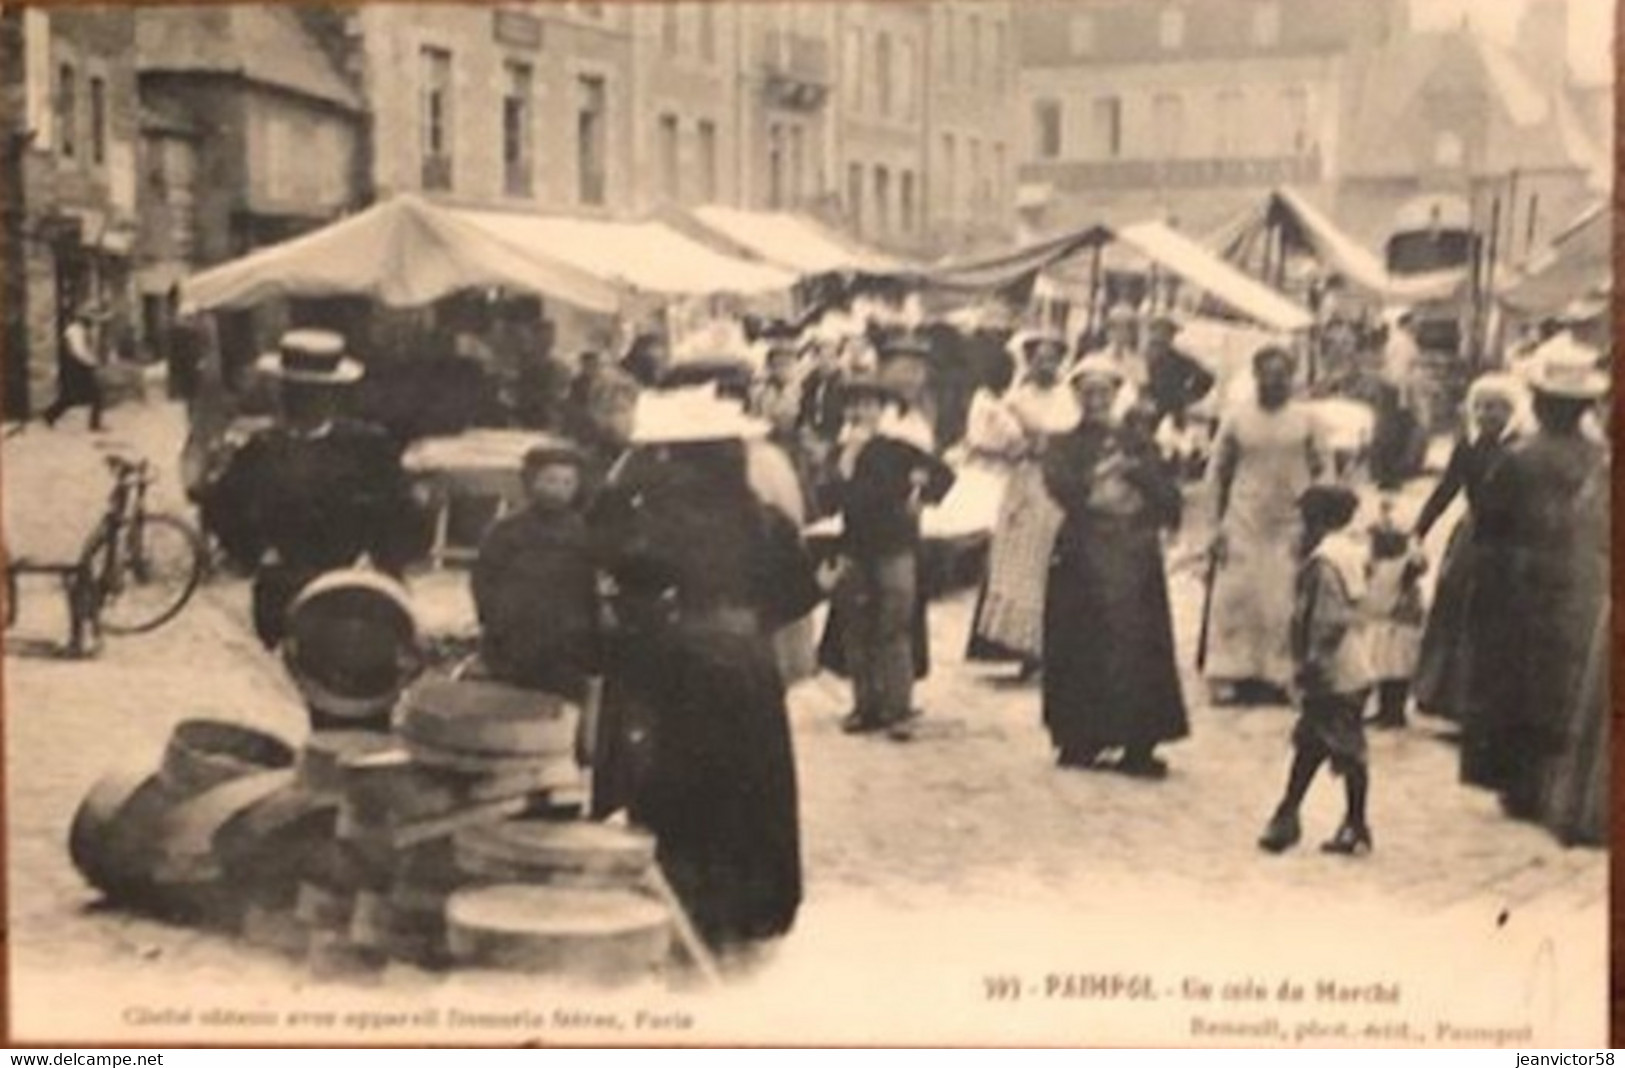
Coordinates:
[1333,672]
[535,584]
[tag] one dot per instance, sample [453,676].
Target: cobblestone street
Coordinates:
[929,865]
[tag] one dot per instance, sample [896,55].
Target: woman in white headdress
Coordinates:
[1496,411]
[1009,621]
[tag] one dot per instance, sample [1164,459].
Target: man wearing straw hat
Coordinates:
[317,492]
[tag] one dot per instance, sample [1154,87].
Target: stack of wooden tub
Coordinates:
[455,840]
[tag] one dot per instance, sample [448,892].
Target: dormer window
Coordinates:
[1171,28]
[1449,151]
[1267,23]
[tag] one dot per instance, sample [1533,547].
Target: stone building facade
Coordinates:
[70,128]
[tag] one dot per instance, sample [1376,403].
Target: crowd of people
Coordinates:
[659,573]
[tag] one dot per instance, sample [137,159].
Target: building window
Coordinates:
[1171,28]
[1295,108]
[592,9]
[883,74]
[854,195]
[1106,124]
[1227,139]
[1267,23]
[516,122]
[798,164]
[996,185]
[852,75]
[907,80]
[671,30]
[775,166]
[707,135]
[905,202]
[67,109]
[437,118]
[98,121]
[1081,35]
[947,45]
[950,177]
[1000,75]
[669,165]
[974,47]
[591,120]
[708,32]
[882,200]
[1047,129]
[1168,120]
[977,177]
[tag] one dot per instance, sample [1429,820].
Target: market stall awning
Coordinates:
[1311,231]
[1177,253]
[403,252]
[1019,267]
[646,256]
[792,242]
[1169,250]
[1576,265]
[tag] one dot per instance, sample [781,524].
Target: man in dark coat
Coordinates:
[1176,380]
[315,493]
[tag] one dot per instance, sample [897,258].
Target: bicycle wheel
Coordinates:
[147,575]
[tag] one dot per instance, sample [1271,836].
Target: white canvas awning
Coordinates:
[793,242]
[646,256]
[403,252]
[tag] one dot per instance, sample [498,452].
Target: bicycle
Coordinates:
[135,572]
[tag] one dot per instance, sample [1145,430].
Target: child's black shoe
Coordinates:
[1349,841]
[1282,834]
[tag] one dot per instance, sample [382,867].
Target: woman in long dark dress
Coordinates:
[1111,681]
[1532,623]
[705,573]
[1493,404]
[1575,808]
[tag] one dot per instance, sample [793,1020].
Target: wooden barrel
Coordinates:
[415,907]
[606,936]
[110,839]
[124,838]
[205,753]
[327,758]
[352,644]
[484,718]
[576,854]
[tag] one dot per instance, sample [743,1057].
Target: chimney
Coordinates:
[1543,42]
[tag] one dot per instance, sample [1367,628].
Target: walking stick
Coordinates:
[689,938]
[1208,579]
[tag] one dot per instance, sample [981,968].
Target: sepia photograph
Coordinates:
[807,522]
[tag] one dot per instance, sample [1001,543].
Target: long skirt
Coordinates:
[1440,684]
[719,790]
[1495,750]
[1576,804]
[1111,679]
[1009,623]
[1252,602]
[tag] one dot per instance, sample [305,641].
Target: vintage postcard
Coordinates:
[836,522]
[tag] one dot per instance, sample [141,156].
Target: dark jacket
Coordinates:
[319,502]
[536,590]
[876,506]
[1177,381]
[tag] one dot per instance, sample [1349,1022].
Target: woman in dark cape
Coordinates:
[1532,622]
[1110,680]
[705,573]
[1493,402]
